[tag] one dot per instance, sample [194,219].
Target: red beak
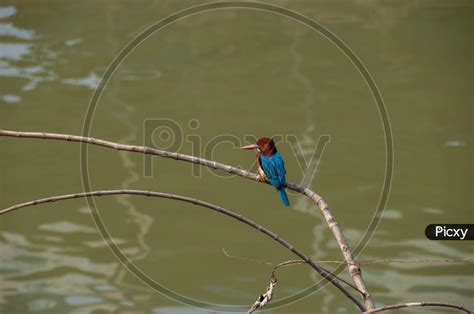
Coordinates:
[252,146]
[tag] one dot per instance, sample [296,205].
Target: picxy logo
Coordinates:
[450,232]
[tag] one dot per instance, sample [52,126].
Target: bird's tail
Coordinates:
[283,196]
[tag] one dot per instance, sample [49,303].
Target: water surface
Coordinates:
[237,72]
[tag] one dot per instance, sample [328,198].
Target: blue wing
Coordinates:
[274,168]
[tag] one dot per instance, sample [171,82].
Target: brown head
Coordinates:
[264,146]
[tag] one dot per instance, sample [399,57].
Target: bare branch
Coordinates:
[323,272]
[419,304]
[353,266]
[401,261]
[416,261]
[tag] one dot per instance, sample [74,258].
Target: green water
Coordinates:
[237,72]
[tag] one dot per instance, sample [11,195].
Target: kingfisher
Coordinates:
[271,166]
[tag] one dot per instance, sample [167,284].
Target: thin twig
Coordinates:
[365,263]
[419,304]
[353,267]
[323,272]
[246,259]
[413,261]
[295,262]
[362,263]
[259,304]
[285,264]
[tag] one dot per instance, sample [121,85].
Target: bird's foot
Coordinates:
[262,178]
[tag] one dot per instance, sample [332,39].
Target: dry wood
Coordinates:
[353,266]
[419,304]
[322,271]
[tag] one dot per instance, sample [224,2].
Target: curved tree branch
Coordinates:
[322,271]
[419,304]
[352,265]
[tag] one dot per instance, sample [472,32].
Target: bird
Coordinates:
[271,166]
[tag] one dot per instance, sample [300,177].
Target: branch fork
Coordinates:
[353,266]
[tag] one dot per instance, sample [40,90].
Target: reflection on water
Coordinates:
[455,143]
[7,12]
[228,70]
[14,51]
[56,278]
[177,310]
[10,30]
[66,227]
[91,81]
